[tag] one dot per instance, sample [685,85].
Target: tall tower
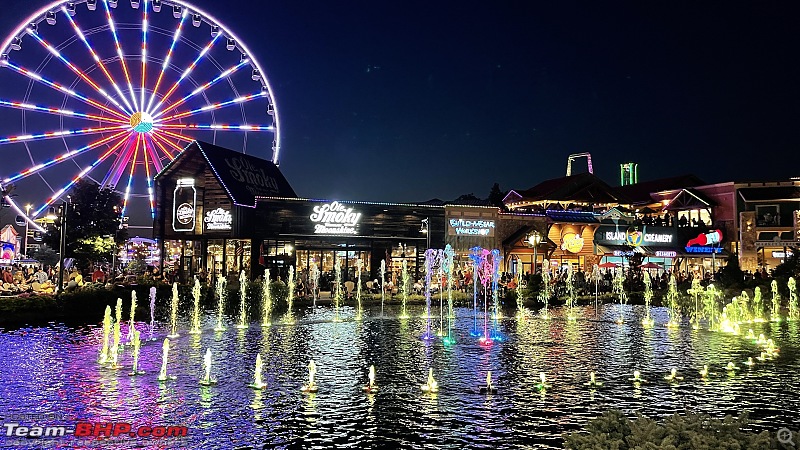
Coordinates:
[628,173]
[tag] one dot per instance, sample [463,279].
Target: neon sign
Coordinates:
[184,201]
[707,250]
[218,220]
[652,236]
[572,242]
[666,254]
[334,218]
[467,227]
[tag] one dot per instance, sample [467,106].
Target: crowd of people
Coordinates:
[17,279]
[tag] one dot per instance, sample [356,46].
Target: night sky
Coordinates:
[406,101]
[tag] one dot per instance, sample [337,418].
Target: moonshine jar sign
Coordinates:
[184,205]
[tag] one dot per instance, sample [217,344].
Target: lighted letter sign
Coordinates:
[469,227]
[184,201]
[218,220]
[334,218]
[705,243]
[666,254]
[651,236]
[572,242]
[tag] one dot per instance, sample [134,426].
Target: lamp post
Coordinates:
[62,242]
[533,240]
[426,229]
[27,215]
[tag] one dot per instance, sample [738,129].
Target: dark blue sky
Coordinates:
[405,101]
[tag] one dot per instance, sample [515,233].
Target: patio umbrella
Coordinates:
[650,265]
[607,265]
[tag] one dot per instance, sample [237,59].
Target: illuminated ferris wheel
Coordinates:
[111,91]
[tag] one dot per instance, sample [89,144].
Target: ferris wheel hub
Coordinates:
[141,122]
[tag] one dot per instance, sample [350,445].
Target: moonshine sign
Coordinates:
[334,218]
[184,201]
[218,220]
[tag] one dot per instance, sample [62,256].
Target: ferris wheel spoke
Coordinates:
[127,195]
[60,133]
[167,58]
[155,138]
[63,157]
[59,111]
[72,93]
[80,176]
[154,161]
[118,166]
[72,67]
[211,107]
[187,71]
[224,74]
[216,126]
[144,51]
[97,60]
[112,26]
[176,136]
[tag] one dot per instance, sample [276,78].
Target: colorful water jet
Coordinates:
[383,282]
[448,262]
[570,286]
[405,286]
[162,375]
[115,345]
[647,321]
[695,291]
[152,311]
[794,309]
[173,313]
[220,292]
[243,322]
[136,342]
[431,256]
[337,289]
[618,287]
[672,303]
[257,383]
[476,255]
[289,317]
[311,387]
[775,314]
[359,309]
[105,350]
[132,323]
[430,386]
[547,290]
[313,274]
[195,329]
[207,380]
[266,301]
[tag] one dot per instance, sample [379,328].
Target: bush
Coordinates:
[613,430]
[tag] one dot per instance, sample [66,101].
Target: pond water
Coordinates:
[54,369]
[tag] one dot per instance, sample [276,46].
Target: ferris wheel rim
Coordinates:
[39,15]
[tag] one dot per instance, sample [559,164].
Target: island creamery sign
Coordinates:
[468,227]
[334,218]
[634,237]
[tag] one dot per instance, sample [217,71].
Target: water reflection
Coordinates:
[54,369]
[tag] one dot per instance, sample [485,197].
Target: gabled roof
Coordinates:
[639,193]
[244,177]
[582,187]
[689,199]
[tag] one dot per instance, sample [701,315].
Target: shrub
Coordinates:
[613,430]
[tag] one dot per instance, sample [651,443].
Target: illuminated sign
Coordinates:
[572,242]
[781,255]
[634,237]
[704,243]
[218,220]
[624,253]
[334,218]
[184,202]
[708,250]
[666,254]
[6,252]
[469,227]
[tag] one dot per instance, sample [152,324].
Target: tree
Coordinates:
[496,197]
[93,224]
[46,256]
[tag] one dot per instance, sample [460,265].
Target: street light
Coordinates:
[426,229]
[533,240]
[27,219]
